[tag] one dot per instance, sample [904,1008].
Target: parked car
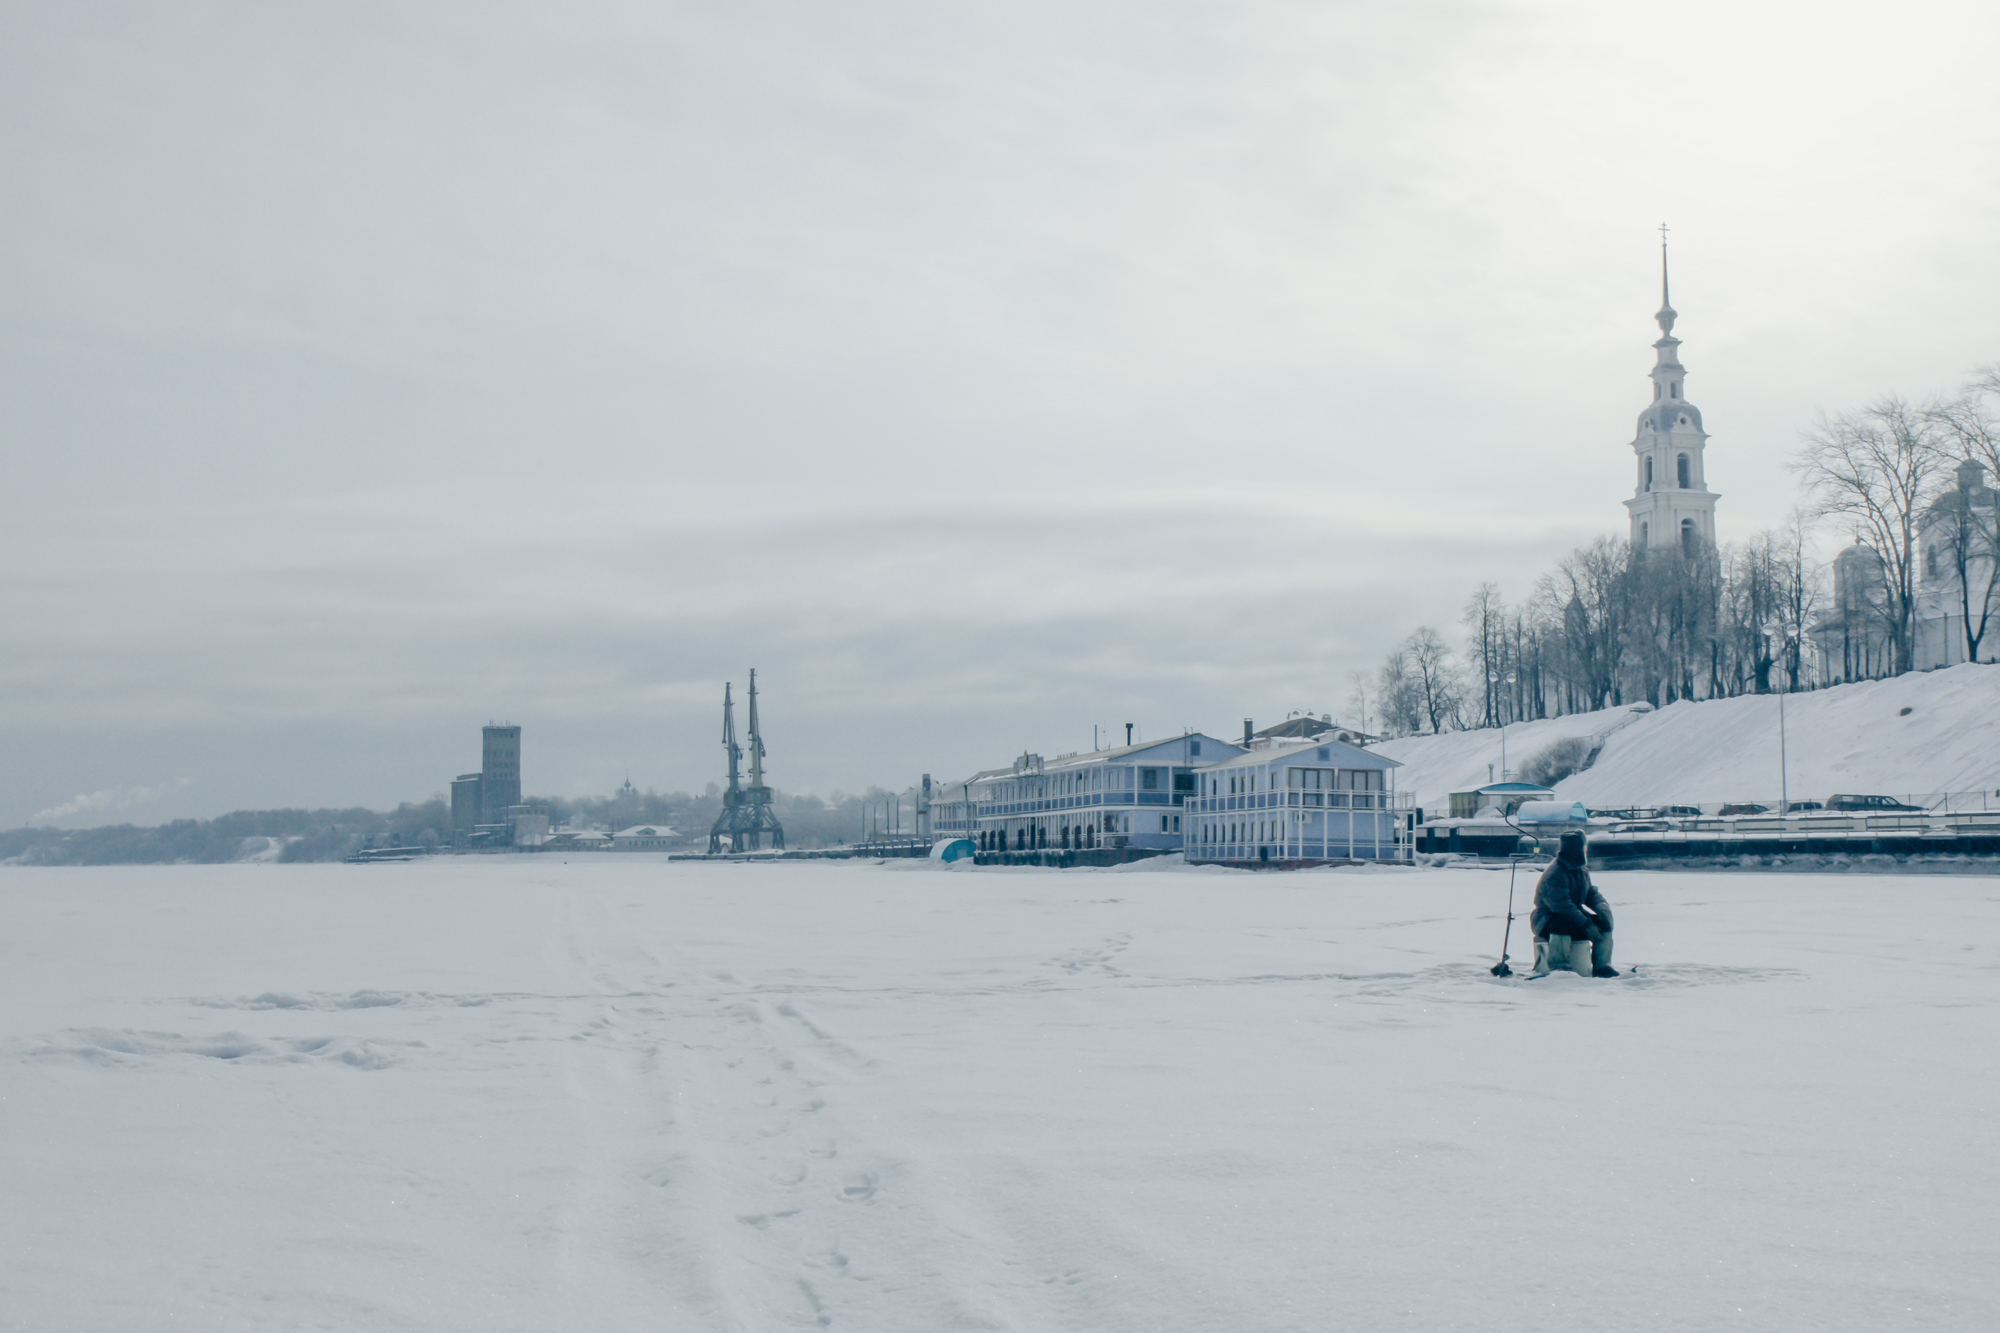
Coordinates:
[1644,826]
[1874,805]
[1744,809]
[1682,811]
[1800,807]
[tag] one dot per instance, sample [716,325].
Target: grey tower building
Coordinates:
[466,810]
[499,772]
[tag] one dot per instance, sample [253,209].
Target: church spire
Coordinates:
[1671,505]
[1667,313]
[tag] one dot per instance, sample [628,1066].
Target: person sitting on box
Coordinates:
[1567,903]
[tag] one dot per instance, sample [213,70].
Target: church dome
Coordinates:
[1861,552]
[1674,414]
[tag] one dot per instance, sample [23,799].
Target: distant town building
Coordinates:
[526,825]
[486,809]
[1671,505]
[499,771]
[1851,639]
[645,838]
[1958,577]
[467,810]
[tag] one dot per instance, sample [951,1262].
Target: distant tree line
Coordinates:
[809,821]
[331,835]
[1611,625]
[294,835]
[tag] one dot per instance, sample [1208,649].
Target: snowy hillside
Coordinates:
[1935,731]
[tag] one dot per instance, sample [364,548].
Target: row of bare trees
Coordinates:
[1612,625]
[1894,469]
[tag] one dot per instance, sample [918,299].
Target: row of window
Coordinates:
[1301,779]
[1682,467]
[1690,535]
[1078,783]
[1259,830]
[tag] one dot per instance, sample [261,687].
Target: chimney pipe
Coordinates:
[1128,733]
[1248,734]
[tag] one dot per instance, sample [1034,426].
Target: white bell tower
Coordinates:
[1671,504]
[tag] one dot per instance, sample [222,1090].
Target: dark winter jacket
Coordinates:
[1565,891]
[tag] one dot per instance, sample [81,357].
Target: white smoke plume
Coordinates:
[107,801]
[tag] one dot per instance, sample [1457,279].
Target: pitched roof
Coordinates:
[1338,753]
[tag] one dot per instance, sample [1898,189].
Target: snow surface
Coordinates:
[493,1093]
[1851,738]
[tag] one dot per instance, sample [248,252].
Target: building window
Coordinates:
[1675,392]
[1644,529]
[1930,562]
[1687,536]
[1684,471]
[1149,779]
[1649,474]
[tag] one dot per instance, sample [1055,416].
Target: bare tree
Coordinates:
[1801,591]
[1485,620]
[1398,701]
[1670,600]
[1965,521]
[1751,593]
[1434,675]
[1357,698]
[1590,591]
[1878,469]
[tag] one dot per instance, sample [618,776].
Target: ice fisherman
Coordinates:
[1567,903]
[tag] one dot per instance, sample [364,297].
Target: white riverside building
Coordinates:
[1131,796]
[1310,802]
[1218,802]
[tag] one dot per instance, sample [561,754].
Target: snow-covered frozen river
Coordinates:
[512,1093]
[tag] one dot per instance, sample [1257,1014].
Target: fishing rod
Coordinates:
[1500,969]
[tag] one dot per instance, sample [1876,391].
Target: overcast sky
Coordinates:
[979,373]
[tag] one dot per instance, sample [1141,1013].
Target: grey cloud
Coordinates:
[977,373]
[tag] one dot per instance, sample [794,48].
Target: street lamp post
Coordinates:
[1777,629]
[1495,679]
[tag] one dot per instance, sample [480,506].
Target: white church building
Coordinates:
[1671,504]
[1957,592]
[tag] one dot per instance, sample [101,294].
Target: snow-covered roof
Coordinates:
[1332,753]
[1169,748]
